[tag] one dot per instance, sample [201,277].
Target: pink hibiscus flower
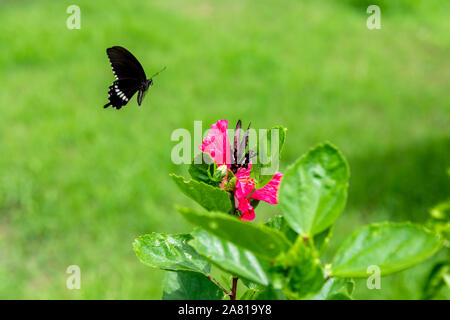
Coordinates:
[217,145]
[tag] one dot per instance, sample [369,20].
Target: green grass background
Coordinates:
[78,183]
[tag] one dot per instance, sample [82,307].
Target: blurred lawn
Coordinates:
[78,183]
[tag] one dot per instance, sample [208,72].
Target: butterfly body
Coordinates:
[130,78]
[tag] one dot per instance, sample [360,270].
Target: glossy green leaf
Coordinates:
[261,240]
[336,289]
[262,170]
[392,247]
[169,252]
[313,191]
[230,257]
[209,197]
[185,285]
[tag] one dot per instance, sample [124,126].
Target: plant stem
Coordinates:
[234,288]
[218,284]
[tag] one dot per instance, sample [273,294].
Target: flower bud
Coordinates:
[220,173]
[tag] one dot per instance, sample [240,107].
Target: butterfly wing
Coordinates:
[129,74]
[124,64]
[121,91]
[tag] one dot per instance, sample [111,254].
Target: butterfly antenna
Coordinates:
[158,72]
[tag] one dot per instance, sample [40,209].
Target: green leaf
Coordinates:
[303,271]
[313,191]
[440,222]
[437,279]
[261,240]
[185,285]
[252,285]
[249,294]
[209,197]
[441,211]
[201,171]
[256,288]
[230,257]
[390,246]
[322,239]
[280,223]
[269,293]
[264,160]
[169,252]
[336,289]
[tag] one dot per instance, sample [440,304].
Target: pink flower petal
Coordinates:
[216,144]
[244,186]
[248,215]
[243,173]
[246,209]
[269,193]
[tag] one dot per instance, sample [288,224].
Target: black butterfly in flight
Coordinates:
[130,78]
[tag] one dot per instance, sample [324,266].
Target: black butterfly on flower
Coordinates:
[130,78]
